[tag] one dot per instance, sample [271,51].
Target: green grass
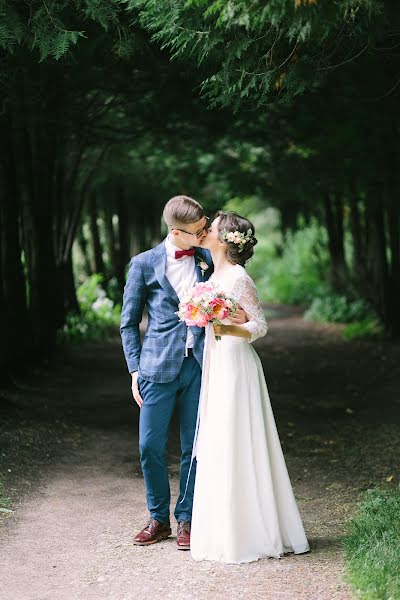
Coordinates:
[372,547]
[5,502]
[367,328]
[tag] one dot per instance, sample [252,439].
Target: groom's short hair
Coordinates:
[181,210]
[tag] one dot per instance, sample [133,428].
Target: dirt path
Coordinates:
[70,442]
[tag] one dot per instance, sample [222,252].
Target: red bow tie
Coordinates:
[180,253]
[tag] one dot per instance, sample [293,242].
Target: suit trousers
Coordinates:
[159,401]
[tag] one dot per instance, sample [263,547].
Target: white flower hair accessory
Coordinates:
[237,237]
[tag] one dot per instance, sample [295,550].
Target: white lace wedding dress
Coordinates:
[244,507]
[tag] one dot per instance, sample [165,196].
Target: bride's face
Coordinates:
[212,241]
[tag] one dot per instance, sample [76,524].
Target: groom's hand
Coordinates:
[135,389]
[239,318]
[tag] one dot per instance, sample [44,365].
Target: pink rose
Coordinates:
[192,311]
[195,317]
[203,321]
[201,288]
[219,309]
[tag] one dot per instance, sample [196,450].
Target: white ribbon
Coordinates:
[208,343]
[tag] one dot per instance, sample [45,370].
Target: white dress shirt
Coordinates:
[181,273]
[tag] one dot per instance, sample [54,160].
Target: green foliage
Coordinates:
[367,328]
[11,27]
[53,27]
[333,308]
[99,314]
[92,104]
[261,51]
[5,502]
[113,289]
[295,274]
[49,33]
[105,13]
[372,547]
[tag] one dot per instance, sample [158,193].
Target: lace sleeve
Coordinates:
[245,294]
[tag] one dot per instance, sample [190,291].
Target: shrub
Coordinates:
[294,272]
[292,269]
[333,308]
[363,329]
[5,502]
[98,317]
[114,291]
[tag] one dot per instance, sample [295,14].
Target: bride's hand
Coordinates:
[220,329]
[239,318]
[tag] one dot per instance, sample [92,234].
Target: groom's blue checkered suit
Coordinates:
[161,356]
[166,377]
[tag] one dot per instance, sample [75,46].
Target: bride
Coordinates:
[244,508]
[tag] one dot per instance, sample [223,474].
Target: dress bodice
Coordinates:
[238,284]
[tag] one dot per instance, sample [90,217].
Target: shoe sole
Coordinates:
[183,547]
[161,537]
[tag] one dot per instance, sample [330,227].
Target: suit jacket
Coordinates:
[160,357]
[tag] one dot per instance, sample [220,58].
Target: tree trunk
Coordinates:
[338,276]
[357,234]
[37,220]
[4,334]
[15,336]
[83,245]
[289,216]
[377,258]
[123,237]
[393,220]
[98,262]
[67,281]
[111,237]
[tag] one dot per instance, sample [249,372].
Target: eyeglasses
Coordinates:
[199,233]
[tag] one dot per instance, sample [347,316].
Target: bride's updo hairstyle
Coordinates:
[238,234]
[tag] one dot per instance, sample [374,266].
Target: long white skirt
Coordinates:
[244,508]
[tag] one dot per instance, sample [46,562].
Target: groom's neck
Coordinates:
[178,243]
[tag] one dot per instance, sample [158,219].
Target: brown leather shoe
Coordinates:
[153,532]
[183,535]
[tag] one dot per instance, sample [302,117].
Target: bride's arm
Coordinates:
[245,293]
[236,330]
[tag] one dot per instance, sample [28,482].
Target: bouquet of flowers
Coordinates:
[204,304]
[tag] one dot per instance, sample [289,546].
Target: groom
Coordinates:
[166,369]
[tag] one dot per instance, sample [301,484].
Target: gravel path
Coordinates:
[78,494]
